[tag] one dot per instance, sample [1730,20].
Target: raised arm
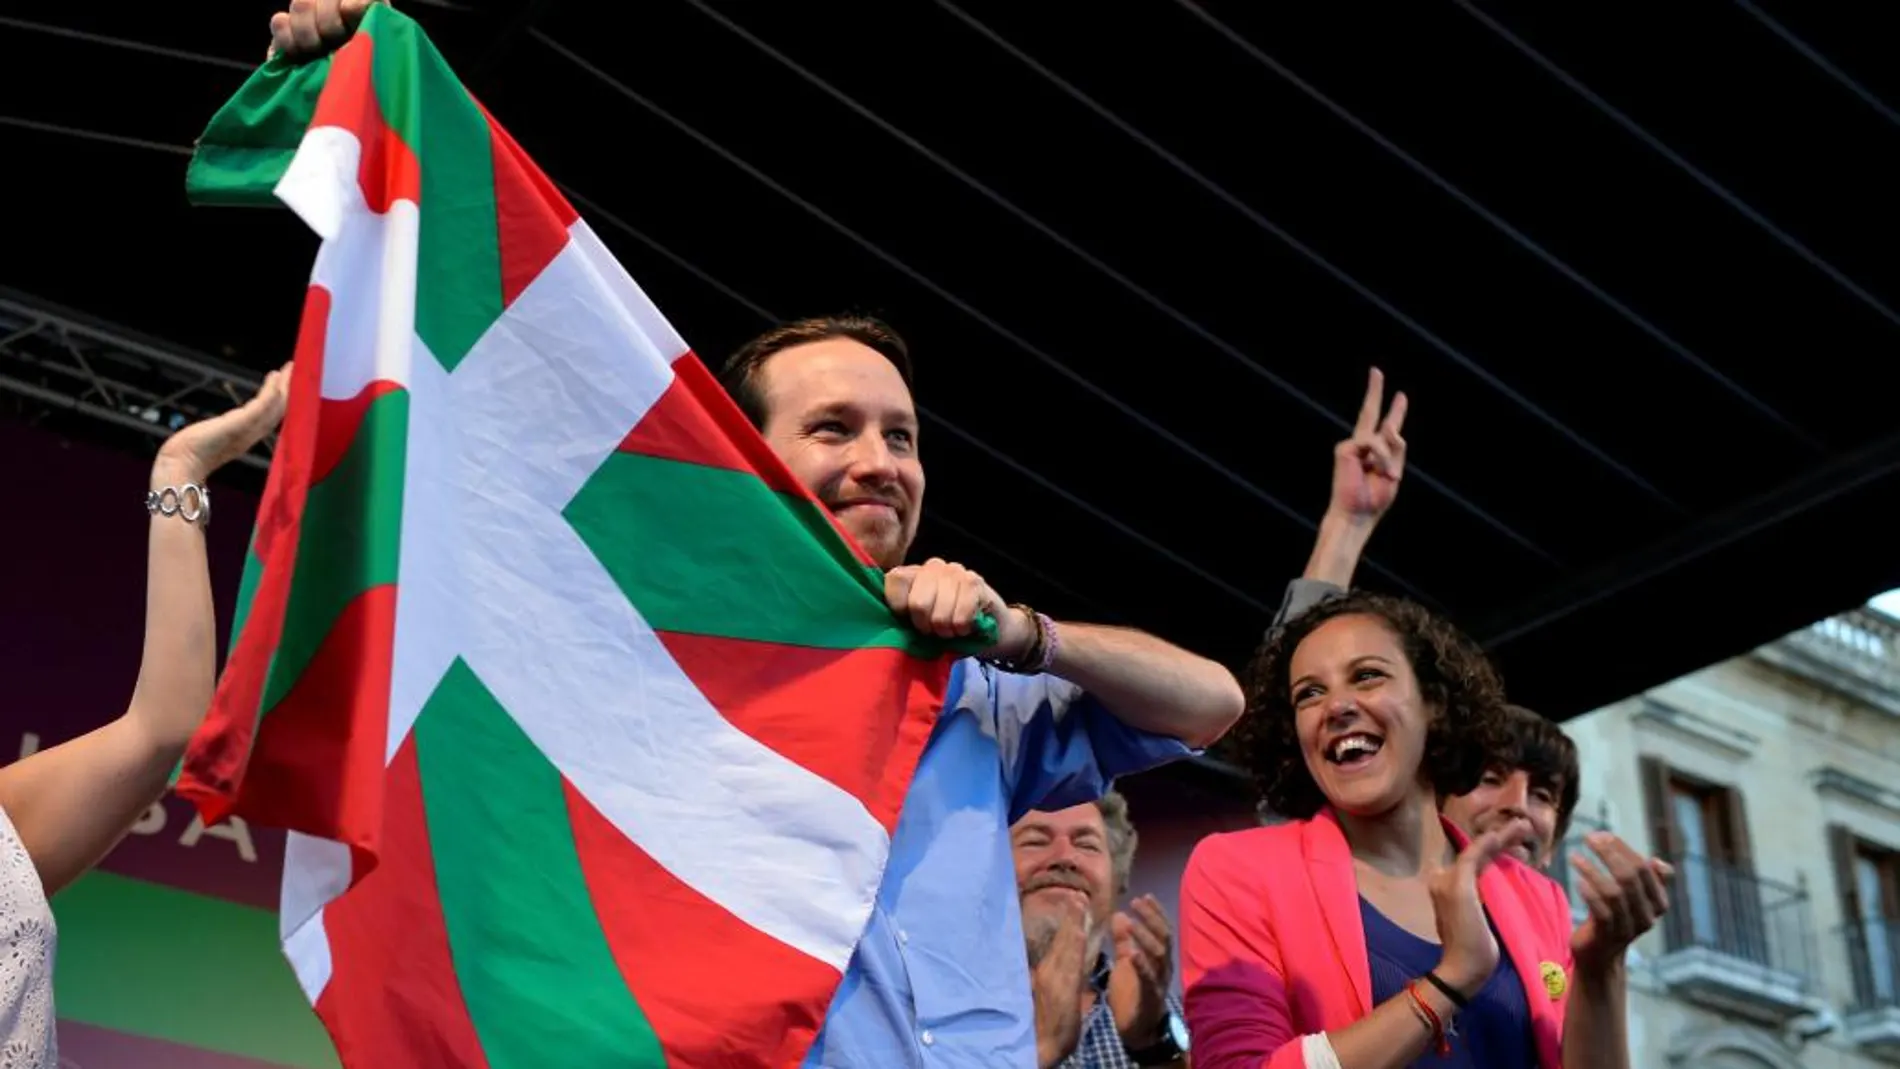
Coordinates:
[73,802]
[1367,468]
[1150,685]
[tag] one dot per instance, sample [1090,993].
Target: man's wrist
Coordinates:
[1141,1034]
[1022,635]
[1027,641]
[1162,1042]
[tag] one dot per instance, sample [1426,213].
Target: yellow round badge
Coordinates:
[1554,979]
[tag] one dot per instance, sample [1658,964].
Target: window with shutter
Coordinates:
[1702,828]
[1868,878]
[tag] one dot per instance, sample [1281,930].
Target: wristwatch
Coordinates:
[1170,1048]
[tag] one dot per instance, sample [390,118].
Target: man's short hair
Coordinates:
[1121,837]
[1548,757]
[740,374]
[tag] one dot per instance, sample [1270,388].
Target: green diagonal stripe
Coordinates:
[710,551]
[250,142]
[459,246]
[247,588]
[240,614]
[349,538]
[527,946]
[152,960]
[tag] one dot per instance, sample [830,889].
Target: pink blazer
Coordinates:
[1272,947]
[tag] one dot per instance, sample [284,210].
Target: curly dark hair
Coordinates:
[1469,727]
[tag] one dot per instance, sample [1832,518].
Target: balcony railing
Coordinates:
[1738,941]
[1873,960]
[1857,652]
[1873,956]
[1729,909]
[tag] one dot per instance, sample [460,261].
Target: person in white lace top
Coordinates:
[63,808]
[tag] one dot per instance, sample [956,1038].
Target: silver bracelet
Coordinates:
[189,502]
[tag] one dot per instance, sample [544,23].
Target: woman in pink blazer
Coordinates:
[1369,933]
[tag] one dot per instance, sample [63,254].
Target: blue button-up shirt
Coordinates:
[940,978]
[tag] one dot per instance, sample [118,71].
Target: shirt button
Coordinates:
[927,1038]
[903,937]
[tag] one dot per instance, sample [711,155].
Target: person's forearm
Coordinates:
[177,674]
[1596,1020]
[1147,1035]
[73,802]
[1336,551]
[1058,1030]
[1390,1037]
[1149,684]
[177,670]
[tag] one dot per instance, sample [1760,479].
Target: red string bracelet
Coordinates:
[1438,1026]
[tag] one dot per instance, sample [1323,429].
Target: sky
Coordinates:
[1889,603]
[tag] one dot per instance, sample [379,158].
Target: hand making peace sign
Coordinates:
[1367,467]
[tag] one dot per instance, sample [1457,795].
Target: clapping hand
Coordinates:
[1056,978]
[1470,952]
[1626,895]
[1144,963]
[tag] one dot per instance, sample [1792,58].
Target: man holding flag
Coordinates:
[591,715]
[1071,707]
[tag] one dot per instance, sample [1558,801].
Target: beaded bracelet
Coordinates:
[1041,653]
[1432,1019]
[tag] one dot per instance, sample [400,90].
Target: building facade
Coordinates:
[1773,782]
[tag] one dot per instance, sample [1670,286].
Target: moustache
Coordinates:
[1070,880]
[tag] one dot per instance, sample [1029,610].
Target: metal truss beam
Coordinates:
[71,362]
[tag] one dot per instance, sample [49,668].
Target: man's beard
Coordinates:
[1039,934]
[1039,928]
[884,539]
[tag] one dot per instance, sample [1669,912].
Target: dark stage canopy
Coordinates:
[1633,263]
